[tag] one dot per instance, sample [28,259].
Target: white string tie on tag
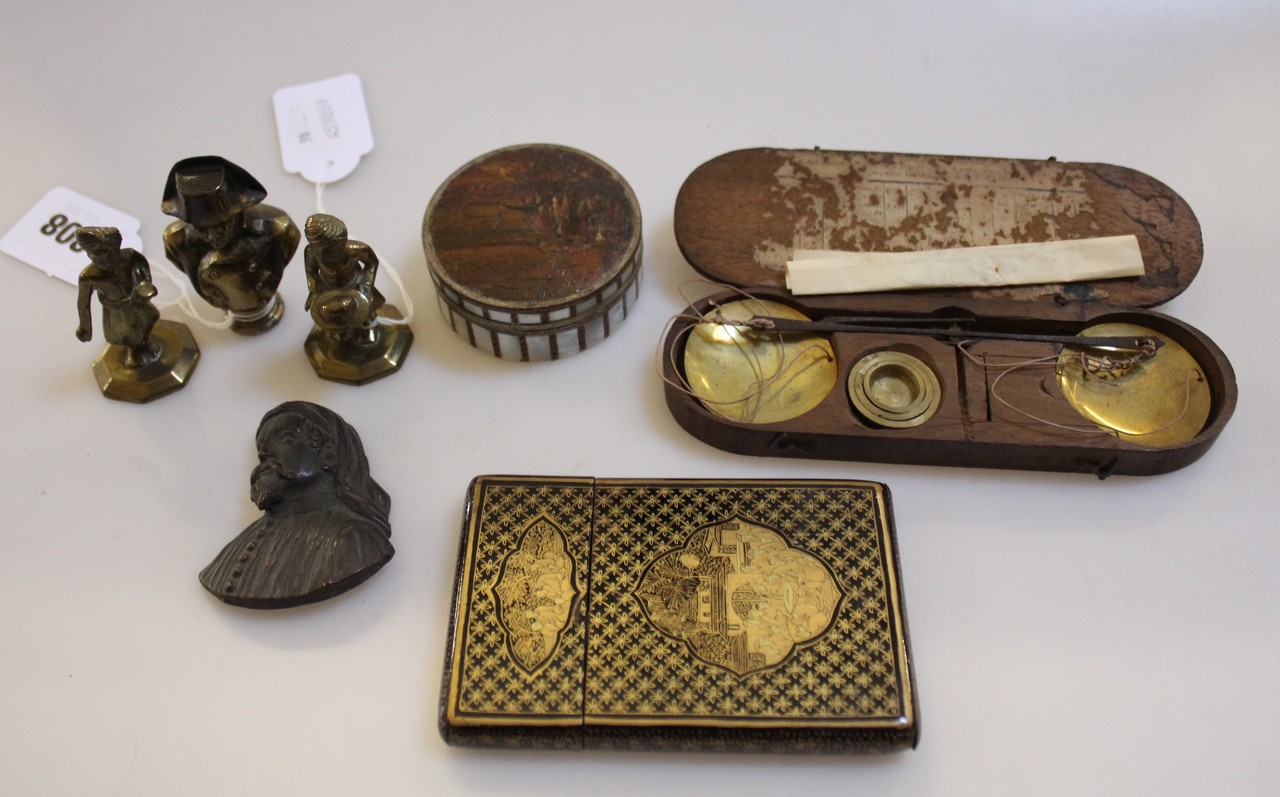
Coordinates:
[324,130]
[404,296]
[321,183]
[184,303]
[320,195]
[383,265]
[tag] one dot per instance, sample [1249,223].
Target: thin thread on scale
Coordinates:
[1103,370]
[382,262]
[757,366]
[1049,360]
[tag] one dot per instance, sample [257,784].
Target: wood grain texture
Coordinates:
[534,250]
[740,215]
[531,227]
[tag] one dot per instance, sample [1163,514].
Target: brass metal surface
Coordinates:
[536,590]
[145,358]
[894,389]
[739,596]
[678,615]
[170,370]
[489,684]
[231,246]
[363,356]
[755,376]
[1160,401]
[357,337]
[958,329]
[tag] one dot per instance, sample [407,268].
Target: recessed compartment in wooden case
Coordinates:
[975,377]
[627,614]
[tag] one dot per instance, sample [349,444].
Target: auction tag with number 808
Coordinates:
[46,236]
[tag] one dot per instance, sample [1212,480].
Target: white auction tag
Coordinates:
[323,127]
[46,236]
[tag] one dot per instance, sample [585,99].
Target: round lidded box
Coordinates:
[534,251]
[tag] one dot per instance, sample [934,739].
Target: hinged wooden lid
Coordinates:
[739,216]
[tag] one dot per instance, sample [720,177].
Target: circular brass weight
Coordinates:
[754,376]
[1162,401]
[894,389]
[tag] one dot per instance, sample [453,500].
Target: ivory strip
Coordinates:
[812,271]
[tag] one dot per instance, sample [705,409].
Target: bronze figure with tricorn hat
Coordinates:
[232,247]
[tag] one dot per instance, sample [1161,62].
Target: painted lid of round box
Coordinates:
[534,251]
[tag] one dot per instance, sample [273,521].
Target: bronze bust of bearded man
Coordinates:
[325,527]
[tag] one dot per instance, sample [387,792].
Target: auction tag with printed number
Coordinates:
[46,236]
[323,128]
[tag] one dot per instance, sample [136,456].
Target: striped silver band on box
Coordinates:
[547,335]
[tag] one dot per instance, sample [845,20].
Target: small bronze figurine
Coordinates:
[348,343]
[233,248]
[326,527]
[145,357]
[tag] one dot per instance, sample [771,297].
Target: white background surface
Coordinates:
[1070,636]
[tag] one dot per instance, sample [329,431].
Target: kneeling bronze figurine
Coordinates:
[145,357]
[326,527]
[358,337]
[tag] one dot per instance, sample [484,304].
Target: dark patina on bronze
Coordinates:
[326,527]
[357,337]
[233,248]
[145,357]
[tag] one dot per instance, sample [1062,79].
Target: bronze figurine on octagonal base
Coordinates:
[356,337]
[145,357]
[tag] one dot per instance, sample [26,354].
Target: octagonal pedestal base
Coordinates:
[167,373]
[353,357]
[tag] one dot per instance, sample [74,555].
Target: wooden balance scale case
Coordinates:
[739,216]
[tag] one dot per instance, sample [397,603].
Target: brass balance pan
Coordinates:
[1159,401]
[757,376]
